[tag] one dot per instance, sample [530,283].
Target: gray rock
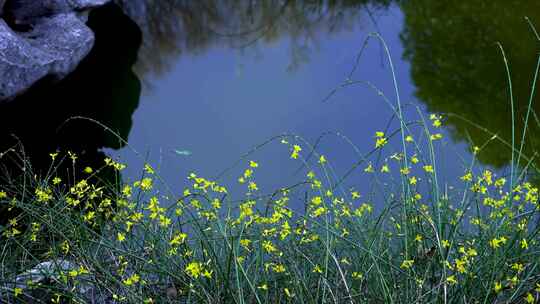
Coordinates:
[57,41]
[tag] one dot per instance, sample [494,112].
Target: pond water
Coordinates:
[193,86]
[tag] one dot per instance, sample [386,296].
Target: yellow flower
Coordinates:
[288,293]
[3,194]
[121,237]
[88,170]
[428,168]
[385,168]
[17,291]
[53,155]
[178,239]
[524,244]
[369,168]
[529,298]
[194,269]
[253,164]
[317,269]
[296,150]
[148,169]
[133,279]
[451,280]
[322,160]
[497,286]
[406,264]
[252,186]
[357,275]
[445,243]
[405,170]
[409,138]
[496,242]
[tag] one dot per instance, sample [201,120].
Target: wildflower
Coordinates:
[436,136]
[269,247]
[72,155]
[529,298]
[497,286]
[409,138]
[413,180]
[17,291]
[445,243]
[316,200]
[3,194]
[245,243]
[467,177]
[288,293]
[414,159]
[53,155]
[65,247]
[133,279]
[148,169]
[88,170]
[418,238]
[428,168]
[369,168]
[355,195]
[252,186]
[405,171]
[317,269]
[296,150]
[253,164]
[121,237]
[178,239]
[319,211]
[322,160]
[194,269]
[145,184]
[380,139]
[357,275]
[385,168]
[496,242]
[524,244]
[406,264]
[57,180]
[451,280]
[278,268]
[263,287]
[43,194]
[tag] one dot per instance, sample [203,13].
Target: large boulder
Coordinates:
[39,39]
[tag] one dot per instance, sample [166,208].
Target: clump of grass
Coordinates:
[131,243]
[311,242]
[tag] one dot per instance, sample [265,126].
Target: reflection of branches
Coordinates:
[173,27]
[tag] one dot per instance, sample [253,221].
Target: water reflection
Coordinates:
[458,68]
[173,27]
[103,88]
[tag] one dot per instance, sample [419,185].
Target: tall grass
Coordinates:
[88,240]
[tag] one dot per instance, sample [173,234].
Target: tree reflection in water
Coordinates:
[458,68]
[172,27]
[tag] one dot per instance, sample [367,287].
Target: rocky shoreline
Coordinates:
[41,39]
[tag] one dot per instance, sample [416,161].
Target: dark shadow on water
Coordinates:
[457,67]
[103,88]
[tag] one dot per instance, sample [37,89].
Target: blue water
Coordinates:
[221,102]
